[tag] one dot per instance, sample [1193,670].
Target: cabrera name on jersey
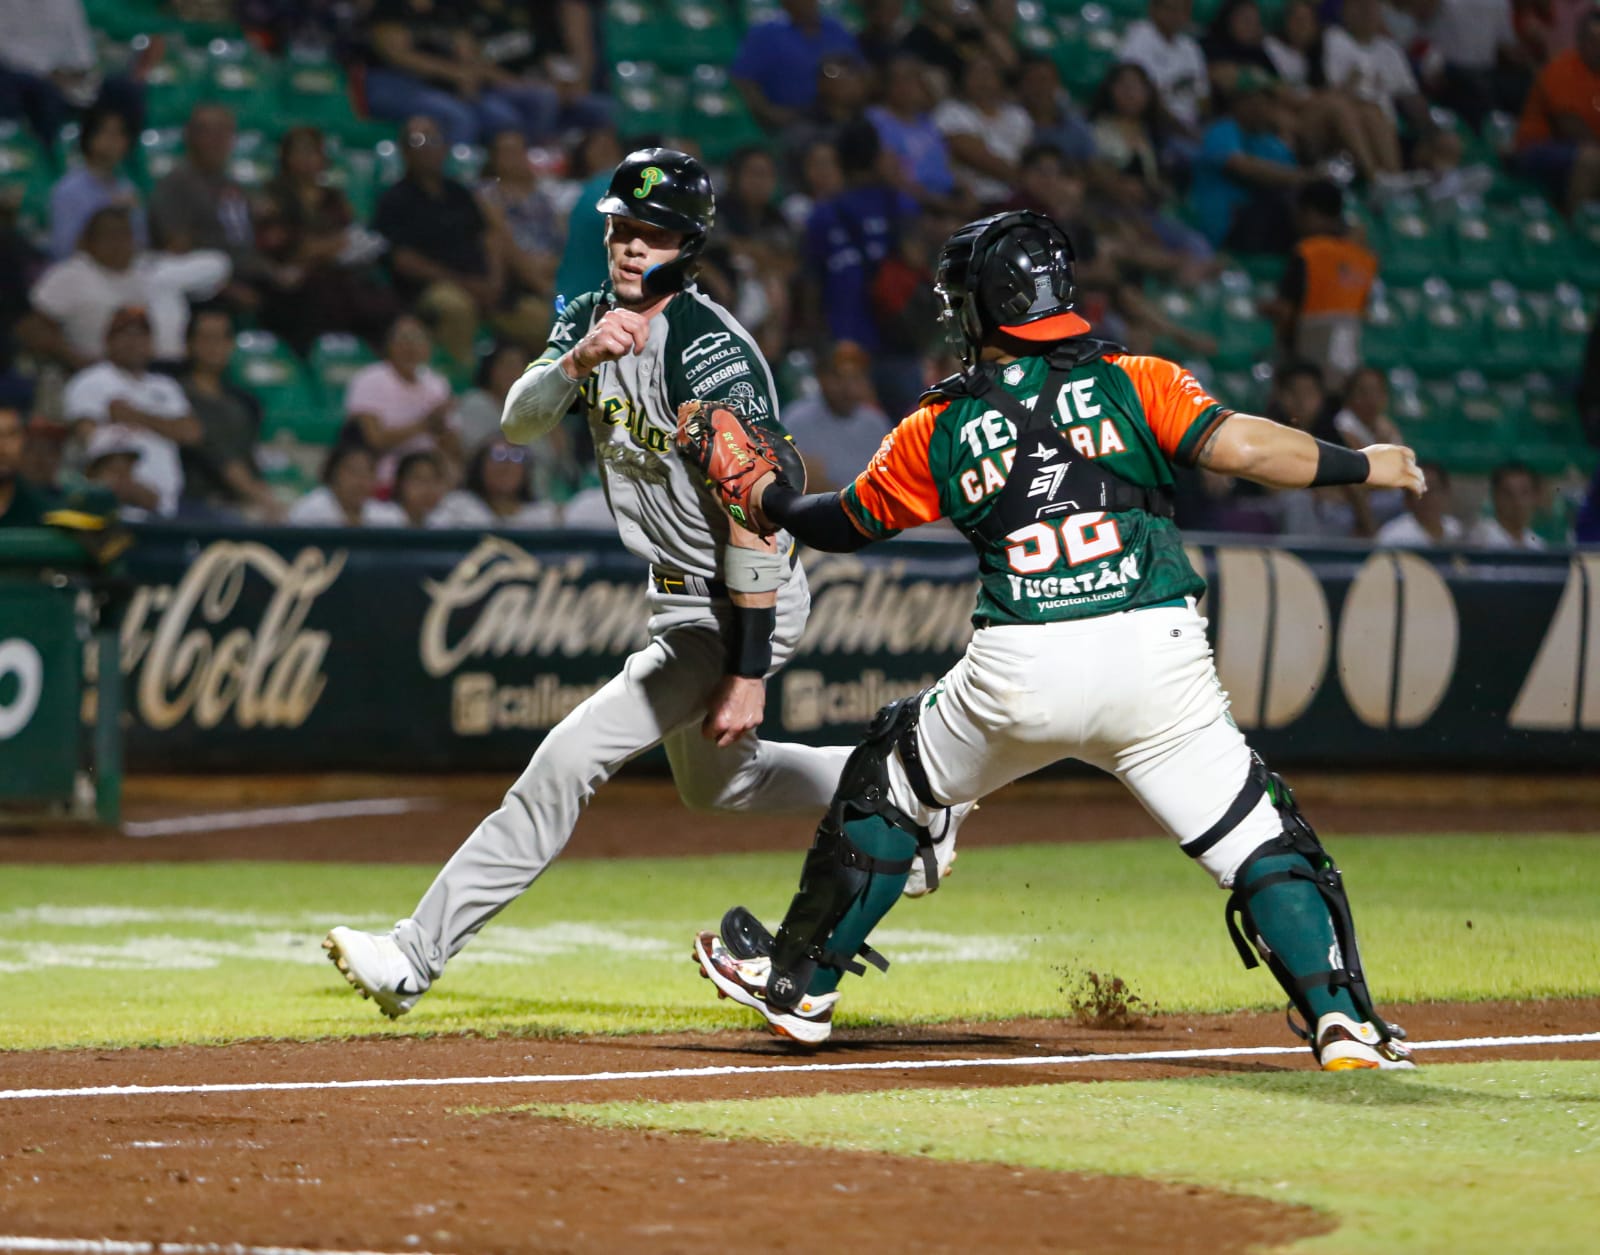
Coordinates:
[1135,416]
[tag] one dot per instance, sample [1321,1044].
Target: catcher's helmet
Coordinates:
[669,189]
[1009,273]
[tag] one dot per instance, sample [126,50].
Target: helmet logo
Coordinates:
[648,178]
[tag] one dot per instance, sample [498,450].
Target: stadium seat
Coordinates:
[1551,437]
[159,150]
[333,360]
[1408,242]
[1035,33]
[1570,317]
[1482,437]
[26,173]
[1386,343]
[634,30]
[1586,246]
[695,32]
[174,85]
[1445,335]
[1477,243]
[646,99]
[1409,405]
[1086,47]
[1246,390]
[248,82]
[1542,249]
[315,93]
[1512,340]
[269,371]
[722,123]
[1243,336]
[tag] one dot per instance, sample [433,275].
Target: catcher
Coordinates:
[1052,452]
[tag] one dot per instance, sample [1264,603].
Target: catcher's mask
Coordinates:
[669,189]
[1010,274]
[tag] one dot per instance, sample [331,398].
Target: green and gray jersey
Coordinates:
[1132,417]
[695,350]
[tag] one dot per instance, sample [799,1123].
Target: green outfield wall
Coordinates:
[289,649]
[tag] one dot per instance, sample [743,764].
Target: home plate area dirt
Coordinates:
[406,1169]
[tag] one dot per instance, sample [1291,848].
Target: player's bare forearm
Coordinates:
[1269,453]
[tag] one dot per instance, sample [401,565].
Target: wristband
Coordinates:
[748,646]
[1339,465]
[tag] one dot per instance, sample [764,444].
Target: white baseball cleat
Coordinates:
[810,1022]
[1344,1045]
[375,968]
[944,829]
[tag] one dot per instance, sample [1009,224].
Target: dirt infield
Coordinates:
[407,1169]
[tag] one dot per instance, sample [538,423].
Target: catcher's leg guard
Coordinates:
[856,867]
[1289,896]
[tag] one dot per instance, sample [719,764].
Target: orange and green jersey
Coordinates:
[1132,417]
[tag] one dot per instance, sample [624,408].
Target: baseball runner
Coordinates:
[1052,452]
[727,606]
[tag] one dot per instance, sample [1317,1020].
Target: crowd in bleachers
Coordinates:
[282,259]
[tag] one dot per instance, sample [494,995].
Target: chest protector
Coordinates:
[1030,495]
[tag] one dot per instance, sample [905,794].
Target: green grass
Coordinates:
[1490,1157]
[162,953]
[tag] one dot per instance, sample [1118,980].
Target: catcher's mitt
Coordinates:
[732,452]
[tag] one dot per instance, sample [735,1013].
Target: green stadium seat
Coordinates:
[1513,339]
[1086,47]
[634,30]
[265,368]
[1409,404]
[1243,336]
[315,93]
[1571,316]
[1445,335]
[121,20]
[1543,248]
[1409,242]
[1478,243]
[1386,343]
[173,86]
[159,150]
[1551,437]
[248,82]
[722,123]
[1481,438]
[1034,32]
[333,360]
[1246,390]
[26,174]
[647,100]
[696,32]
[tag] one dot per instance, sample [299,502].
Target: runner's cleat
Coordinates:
[1343,1045]
[745,981]
[944,829]
[375,968]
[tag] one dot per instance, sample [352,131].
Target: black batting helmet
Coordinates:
[1009,273]
[668,189]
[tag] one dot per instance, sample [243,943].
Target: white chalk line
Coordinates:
[263,816]
[663,1074]
[108,1246]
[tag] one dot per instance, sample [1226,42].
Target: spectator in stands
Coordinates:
[1475,62]
[349,478]
[1127,120]
[439,247]
[821,179]
[317,256]
[1298,401]
[44,452]
[1359,59]
[419,486]
[498,493]
[422,60]
[1585,528]
[847,239]
[104,141]
[1245,175]
[1558,139]
[946,34]
[1296,50]
[841,96]
[527,211]
[1056,120]
[151,408]
[478,414]
[986,131]
[110,462]
[19,262]
[1427,520]
[1161,43]
[583,261]
[883,27]
[547,43]
[21,504]
[1514,494]
[776,69]
[752,254]
[1322,294]
[220,472]
[839,429]
[73,301]
[1364,418]
[907,130]
[1235,39]
[399,405]
[198,204]
[49,68]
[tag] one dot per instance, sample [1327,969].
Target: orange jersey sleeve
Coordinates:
[897,490]
[1179,412]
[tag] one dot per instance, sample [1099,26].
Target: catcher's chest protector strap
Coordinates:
[1083,486]
[1316,868]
